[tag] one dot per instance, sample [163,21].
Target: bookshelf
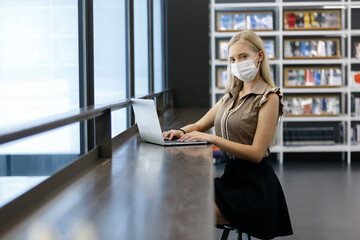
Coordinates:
[344,31]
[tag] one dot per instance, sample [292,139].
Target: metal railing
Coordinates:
[104,144]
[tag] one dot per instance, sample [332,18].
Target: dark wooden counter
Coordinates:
[144,192]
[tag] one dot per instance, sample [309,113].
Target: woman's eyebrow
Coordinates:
[231,56]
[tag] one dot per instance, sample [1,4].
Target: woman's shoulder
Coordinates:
[274,95]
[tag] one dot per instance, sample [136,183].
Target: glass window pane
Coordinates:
[39,77]
[109,57]
[158,46]
[20,172]
[141,47]
[39,70]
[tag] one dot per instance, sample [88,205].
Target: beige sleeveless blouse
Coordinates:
[239,123]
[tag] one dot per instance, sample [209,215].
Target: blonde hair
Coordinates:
[255,44]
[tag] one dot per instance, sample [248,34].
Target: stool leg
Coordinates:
[225,234]
[239,234]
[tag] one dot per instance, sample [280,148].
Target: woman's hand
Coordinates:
[196,136]
[173,133]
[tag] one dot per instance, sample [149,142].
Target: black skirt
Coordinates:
[250,197]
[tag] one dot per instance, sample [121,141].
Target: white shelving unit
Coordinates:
[345,34]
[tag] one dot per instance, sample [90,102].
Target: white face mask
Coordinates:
[246,70]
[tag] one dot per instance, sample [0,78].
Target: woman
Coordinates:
[248,195]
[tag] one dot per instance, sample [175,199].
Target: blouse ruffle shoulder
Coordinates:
[278,92]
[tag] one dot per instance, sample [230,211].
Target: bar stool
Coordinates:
[227,228]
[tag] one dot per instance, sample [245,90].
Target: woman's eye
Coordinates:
[232,60]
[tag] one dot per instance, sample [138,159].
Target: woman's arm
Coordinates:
[205,123]
[264,134]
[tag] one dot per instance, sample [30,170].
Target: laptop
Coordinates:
[149,125]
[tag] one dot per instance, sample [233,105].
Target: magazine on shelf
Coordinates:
[312,105]
[313,77]
[335,78]
[355,105]
[321,51]
[267,21]
[296,136]
[225,22]
[299,20]
[257,21]
[312,19]
[293,78]
[330,19]
[307,20]
[221,77]
[355,79]
[290,20]
[305,48]
[310,48]
[269,48]
[295,47]
[239,21]
[288,49]
[355,134]
[331,49]
[223,49]
[313,48]
[357,49]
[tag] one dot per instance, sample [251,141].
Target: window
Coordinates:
[141,47]
[39,77]
[158,46]
[109,57]
[39,74]
[39,71]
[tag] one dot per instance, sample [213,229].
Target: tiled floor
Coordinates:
[323,199]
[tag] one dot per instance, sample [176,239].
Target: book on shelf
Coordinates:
[335,78]
[221,77]
[355,105]
[355,79]
[312,19]
[309,77]
[225,22]
[239,21]
[305,48]
[297,136]
[223,49]
[288,53]
[355,134]
[312,106]
[331,48]
[256,21]
[269,48]
[314,48]
[330,19]
[321,49]
[306,20]
[235,21]
[313,77]
[291,20]
[299,19]
[357,49]
[311,48]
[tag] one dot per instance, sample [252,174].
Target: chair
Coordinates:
[227,228]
